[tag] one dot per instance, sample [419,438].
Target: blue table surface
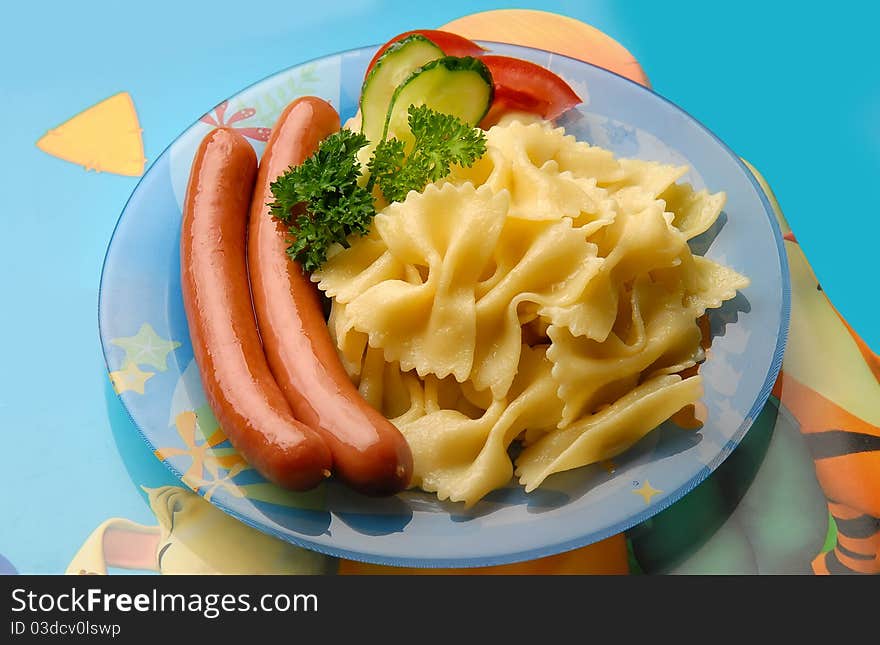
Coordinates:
[794,90]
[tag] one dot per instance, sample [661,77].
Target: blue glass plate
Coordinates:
[147,349]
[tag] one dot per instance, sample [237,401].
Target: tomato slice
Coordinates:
[524,86]
[451,44]
[506,100]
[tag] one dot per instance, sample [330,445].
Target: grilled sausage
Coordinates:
[239,385]
[369,453]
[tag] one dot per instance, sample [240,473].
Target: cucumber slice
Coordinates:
[392,68]
[461,87]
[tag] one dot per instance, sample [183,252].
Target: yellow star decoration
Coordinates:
[147,348]
[130,379]
[205,458]
[210,486]
[647,491]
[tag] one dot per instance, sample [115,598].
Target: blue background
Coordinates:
[794,90]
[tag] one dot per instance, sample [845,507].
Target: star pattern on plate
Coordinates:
[647,491]
[130,378]
[207,458]
[146,348]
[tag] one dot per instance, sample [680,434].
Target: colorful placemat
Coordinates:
[800,494]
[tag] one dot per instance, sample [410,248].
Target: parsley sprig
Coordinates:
[440,140]
[337,206]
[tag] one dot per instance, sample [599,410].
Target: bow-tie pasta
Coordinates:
[546,295]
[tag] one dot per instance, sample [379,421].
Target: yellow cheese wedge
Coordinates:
[105,137]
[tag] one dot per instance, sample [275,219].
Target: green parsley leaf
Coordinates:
[335,205]
[439,141]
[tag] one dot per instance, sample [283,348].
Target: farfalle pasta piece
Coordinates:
[642,183]
[710,284]
[693,212]
[661,333]
[633,245]
[541,142]
[538,266]
[707,284]
[608,433]
[649,177]
[548,174]
[349,272]
[446,236]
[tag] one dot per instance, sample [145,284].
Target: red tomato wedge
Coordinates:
[451,44]
[521,85]
[507,100]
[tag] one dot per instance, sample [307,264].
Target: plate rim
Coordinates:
[550,548]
